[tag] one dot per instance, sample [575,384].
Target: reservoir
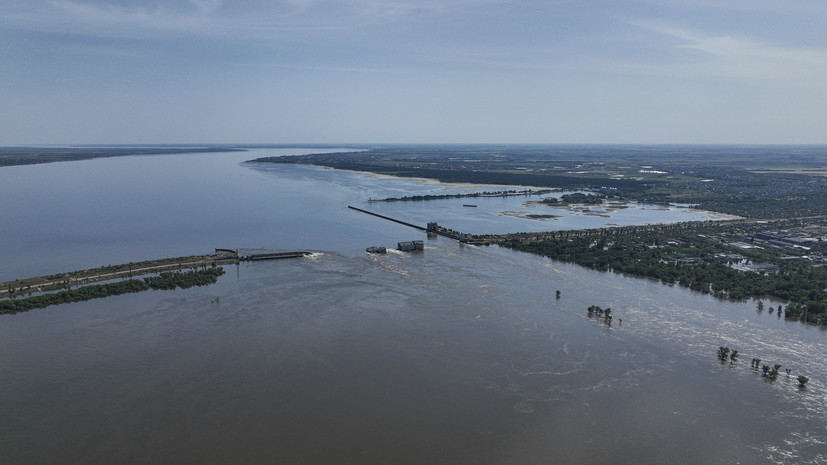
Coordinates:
[457,354]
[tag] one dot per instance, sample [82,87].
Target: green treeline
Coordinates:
[165,281]
[577,197]
[696,264]
[504,193]
[763,207]
[169,280]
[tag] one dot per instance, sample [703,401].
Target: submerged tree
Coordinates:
[606,313]
[595,309]
[771,373]
[802,380]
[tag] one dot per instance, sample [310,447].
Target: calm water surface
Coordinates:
[455,355]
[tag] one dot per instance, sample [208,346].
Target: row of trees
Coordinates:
[503,193]
[167,280]
[769,373]
[754,206]
[577,197]
[602,313]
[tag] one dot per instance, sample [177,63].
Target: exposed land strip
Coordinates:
[12,156]
[105,273]
[501,193]
[167,280]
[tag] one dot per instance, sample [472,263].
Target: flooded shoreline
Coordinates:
[443,350]
[460,354]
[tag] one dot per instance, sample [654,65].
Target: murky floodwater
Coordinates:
[454,355]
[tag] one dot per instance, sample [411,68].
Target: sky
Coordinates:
[413,71]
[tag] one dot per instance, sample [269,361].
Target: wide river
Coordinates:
[458,354]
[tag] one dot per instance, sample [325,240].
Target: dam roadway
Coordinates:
[128,270]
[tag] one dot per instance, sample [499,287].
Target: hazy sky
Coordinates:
[532,71]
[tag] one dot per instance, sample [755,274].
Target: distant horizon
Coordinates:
[522,71]
[409,144]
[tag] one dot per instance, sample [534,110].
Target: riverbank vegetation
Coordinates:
[165,281]
[706,258]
